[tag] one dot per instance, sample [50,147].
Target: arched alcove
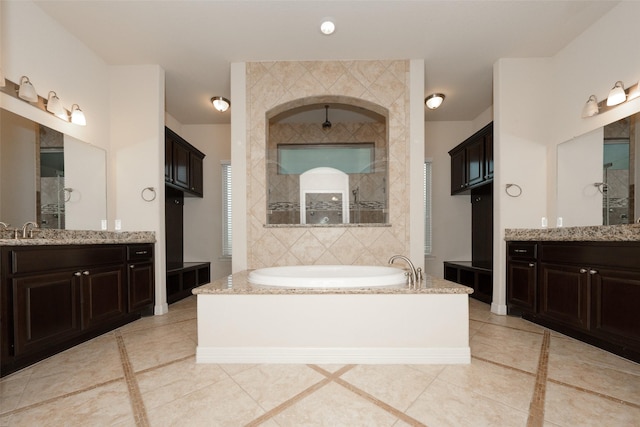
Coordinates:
[349,134]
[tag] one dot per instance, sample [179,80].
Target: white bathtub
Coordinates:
[328,276]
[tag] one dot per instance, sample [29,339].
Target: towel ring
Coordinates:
[513,193]
[67,194]
[148,197]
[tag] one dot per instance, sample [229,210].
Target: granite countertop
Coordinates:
[596,233]
[237,284]
[50,237]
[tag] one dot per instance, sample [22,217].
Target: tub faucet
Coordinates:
[4,226]
[26,228]
[414,275]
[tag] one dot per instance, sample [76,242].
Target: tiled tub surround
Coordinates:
[43,236]
[271,84]
[242,323]
[595,233]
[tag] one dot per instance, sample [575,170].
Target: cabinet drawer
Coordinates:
[525,250]
[52,258]
[620,254]
[139,252]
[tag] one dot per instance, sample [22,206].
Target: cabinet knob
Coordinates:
[531,264]
[583,270]
[77,273]
[86,272]
[593,271]
[132,266]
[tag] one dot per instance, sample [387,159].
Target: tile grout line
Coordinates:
[536,408]
[595,393]
[137,404]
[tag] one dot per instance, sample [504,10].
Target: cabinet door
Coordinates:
[103,295]
[521,285]
[195,174]
[488,156]
[616,302]
[564,294]
[475,162]
[46,311]
[168,158]
[180,165]
[141,285]
[458,172]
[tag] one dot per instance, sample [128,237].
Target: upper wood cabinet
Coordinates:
[183,166]
[472,161]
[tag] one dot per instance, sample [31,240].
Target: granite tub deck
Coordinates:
[243,323]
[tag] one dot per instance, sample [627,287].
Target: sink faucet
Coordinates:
[4,226]
[26,228]
[414,275]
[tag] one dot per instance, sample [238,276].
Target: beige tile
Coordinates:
[94,362]
[221,404]
[595,369]
[333,406]
[495,382]
[396,385]
[101,406]
[11,390]
[507,346]
[272,385]
[156,346]
[444,404]
[569,407]
[170,382]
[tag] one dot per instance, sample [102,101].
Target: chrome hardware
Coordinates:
[77,273]
[593,271]
[86,273]
[531,264]
[132,266]
[3,225]
[520,251]
[28,226]
[583,270]
[413,273]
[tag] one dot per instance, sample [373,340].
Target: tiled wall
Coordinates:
[270,84]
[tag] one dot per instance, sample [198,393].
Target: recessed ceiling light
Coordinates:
[327,27]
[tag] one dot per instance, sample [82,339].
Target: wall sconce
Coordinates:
[616,95]
[54,106]
[221,104]
[27,91]
[591,107]
[434,100]
[77,116]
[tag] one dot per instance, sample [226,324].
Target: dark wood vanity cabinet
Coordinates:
[54,297]
[183,167]
[472,161]
[521,277]
[588,290]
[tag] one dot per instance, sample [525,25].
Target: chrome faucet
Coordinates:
[26,228]
[414,275]
[4,226]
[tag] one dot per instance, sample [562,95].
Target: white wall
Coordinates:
[137,157]
[451,215]
[203,216]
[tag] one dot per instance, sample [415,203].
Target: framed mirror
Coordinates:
[48,177]
[597,175]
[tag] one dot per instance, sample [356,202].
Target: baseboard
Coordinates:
[329,355]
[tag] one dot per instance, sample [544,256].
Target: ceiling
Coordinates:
[196,41]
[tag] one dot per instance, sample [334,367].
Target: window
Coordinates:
[427,207]
[349,158]
[226,209]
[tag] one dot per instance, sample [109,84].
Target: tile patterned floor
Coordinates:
[144,374]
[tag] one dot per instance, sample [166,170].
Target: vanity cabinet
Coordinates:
[472,161]
[587,290]
[140,275]
[183,167]
[54,297]
[521,277]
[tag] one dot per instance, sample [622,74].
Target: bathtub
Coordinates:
[328,276]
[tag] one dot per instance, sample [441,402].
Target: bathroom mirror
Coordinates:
[344,137]
[597,175]
[48,177]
